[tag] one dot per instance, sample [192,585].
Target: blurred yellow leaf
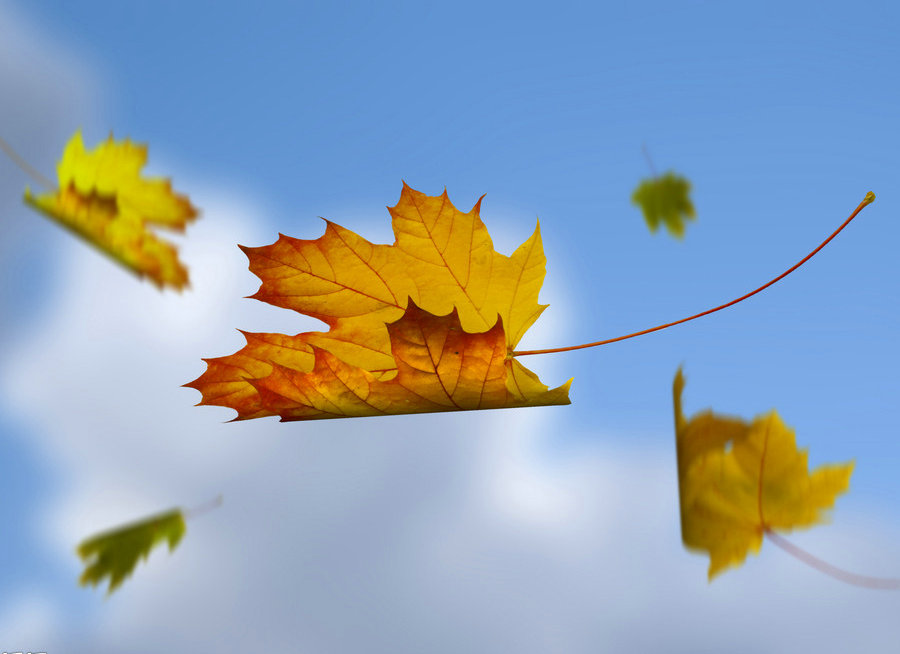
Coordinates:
[103,199]
[739,480]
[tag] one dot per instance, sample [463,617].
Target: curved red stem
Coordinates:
[870,197]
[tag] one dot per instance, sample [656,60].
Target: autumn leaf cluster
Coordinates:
[429,323]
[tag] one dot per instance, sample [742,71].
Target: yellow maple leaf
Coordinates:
[103,199]
[410,323]
[738,481]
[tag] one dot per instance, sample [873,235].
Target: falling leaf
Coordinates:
[664,199]
[426,324]
[103,199]
[115,553]
[738,480]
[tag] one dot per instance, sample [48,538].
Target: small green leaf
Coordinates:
[664,199]
[115,553]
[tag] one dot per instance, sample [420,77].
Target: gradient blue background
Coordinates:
[783,115]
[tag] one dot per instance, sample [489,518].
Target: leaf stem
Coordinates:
[26,167]
[200,509]
[870,197]
[880,583]
[649,160]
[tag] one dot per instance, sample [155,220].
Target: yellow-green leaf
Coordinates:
[115,553]
[665,199]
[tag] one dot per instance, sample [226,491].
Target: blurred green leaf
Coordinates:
[115,553]
[664,199]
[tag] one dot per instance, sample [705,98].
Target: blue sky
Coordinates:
[783,117]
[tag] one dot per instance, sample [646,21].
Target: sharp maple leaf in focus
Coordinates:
[103,199]
[739,480]
[664,199]
[426,324]
[115,553]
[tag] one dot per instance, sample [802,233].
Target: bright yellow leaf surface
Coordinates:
[103,199]
[441,277]
[737,480]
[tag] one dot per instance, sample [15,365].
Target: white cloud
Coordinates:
[26,623]
[446,533]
